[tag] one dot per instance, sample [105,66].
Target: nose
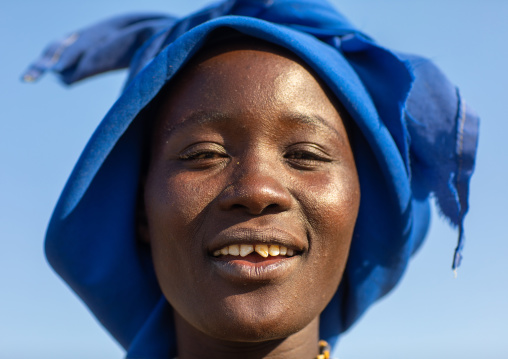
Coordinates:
[256,191]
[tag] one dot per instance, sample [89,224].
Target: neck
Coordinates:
[194,344]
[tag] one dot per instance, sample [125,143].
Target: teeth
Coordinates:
[246,249]
[274,250]
[263,250]
[234,249]
[283,250]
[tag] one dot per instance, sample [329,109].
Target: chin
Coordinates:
[247,321]
[257,330]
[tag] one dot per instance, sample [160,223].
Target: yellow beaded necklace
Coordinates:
[324,350]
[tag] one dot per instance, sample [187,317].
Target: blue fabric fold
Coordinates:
[106,46]
[413,138]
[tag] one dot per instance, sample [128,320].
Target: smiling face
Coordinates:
[249,151]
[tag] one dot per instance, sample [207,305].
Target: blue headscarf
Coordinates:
[414,138]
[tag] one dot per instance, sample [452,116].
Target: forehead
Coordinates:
[243,78]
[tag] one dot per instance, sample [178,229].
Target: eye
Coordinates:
[203,155]
[199,155]
[306,156]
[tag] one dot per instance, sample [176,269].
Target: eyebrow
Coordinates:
[317,122]
[206,117]
[199,118]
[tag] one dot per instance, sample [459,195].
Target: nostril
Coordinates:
[256,194]
[272,207]
[255,208]
[237,206]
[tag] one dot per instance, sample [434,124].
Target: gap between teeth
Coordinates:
[263,250]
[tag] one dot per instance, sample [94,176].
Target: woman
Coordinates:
[257,130]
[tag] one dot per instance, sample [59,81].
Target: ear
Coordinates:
[141,218]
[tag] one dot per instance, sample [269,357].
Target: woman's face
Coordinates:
[249,151]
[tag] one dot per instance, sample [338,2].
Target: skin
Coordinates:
[248,140]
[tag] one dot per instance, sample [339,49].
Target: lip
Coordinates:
[244,270]
[247,235]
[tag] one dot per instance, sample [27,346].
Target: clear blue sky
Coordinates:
[44,127]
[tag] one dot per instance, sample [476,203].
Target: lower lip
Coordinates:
[254,269]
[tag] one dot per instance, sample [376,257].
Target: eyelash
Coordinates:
[299,158]
[305,159]
[201,155]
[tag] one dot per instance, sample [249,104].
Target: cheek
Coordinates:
[331,206]
[174,201]
[332,200]
[174,205]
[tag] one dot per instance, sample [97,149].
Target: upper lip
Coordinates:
[247,235]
